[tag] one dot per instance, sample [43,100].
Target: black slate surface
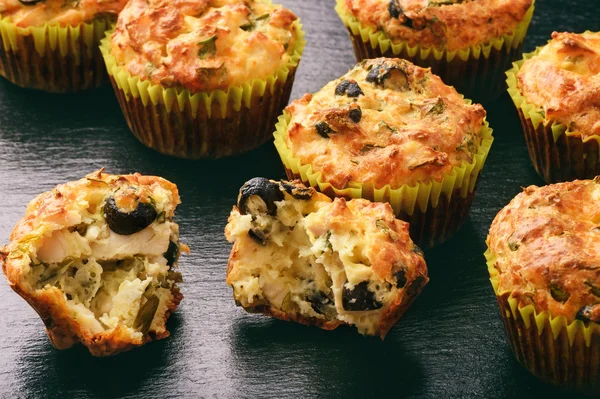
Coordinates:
[450,344]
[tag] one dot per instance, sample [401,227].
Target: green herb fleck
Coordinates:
[207,47]
[438,107]
[594,289]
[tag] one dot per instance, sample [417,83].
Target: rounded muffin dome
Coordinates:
[386,121]
[204,45]
[545,252]
[454,24]
[563,80]
[58,12]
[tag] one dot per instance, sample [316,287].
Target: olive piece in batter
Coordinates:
[323,129]
[349,88]
[359,298]
[124,223]
[172,253]
[355,114]
[299,192]
[258,196]
[29,2]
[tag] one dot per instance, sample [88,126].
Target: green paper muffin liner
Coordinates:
[214,124]
[557,152]
[476,71]
[554,350]
[435,210]
[53,58]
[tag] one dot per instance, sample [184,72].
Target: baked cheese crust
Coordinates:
[386,121]
[58,12]
[563,80]
[300,256]
[96,259]
[451,24]
[546,245]
[203,45]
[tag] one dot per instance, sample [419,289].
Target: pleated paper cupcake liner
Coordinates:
[557,152]
[213,124]
[476,71]
[435,210]
[556,351]
[53,58]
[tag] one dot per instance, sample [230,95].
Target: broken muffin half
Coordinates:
[300,256]
[96,258]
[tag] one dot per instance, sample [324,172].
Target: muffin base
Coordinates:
[53,58]
[567,355]
[477,72]
[557,153]
[203,125]
[435,210]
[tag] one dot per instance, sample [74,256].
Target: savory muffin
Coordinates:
[96,259]
[299,256]
[556,90]
[390,131]
[469,44]
[52,45]
[203,79]
[543,263]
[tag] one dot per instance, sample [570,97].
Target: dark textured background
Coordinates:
[450,343]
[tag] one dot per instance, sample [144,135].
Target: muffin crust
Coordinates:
[563,80]
[386,121]
[58,12]
[545,246]
[454,24]
[203,45]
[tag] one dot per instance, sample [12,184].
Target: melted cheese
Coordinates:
[547,246]
[563,79]
[454,24]
[406,128]
[203,45]
[59,12]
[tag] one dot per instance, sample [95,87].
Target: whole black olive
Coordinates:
[298,191]
[172,253]
[360,298]
[258,196]
[128,223]
[350,88]
[400,276]
[29,2]
[323,129]
[355,114]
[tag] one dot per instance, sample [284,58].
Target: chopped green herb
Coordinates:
[438,107]
[207,47]
[558,293]
[594,289]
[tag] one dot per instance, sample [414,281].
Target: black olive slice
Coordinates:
[400,276]
[29,2]
[321,303]
[388,76]
[585,314]
[172,253]
[259,236]
[323,129]
[143,320]
[258,196]
[299,192]
[128,223]
[349,88]
[395,9]
[360,298]
[558,293]
[355,114]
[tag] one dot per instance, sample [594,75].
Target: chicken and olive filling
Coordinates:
[292,254]
[115,267]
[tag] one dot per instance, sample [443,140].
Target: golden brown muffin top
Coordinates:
[564,80]
[57,12]
[386,121]
[203,45]
[546,244]
[453,24]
